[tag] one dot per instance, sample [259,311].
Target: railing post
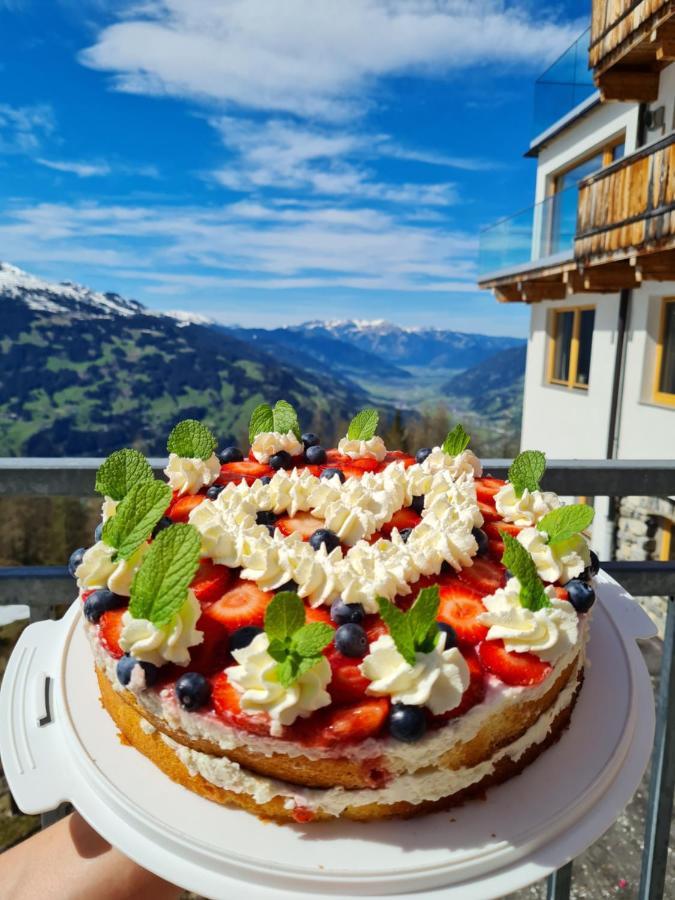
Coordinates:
[662,783]
[559,884]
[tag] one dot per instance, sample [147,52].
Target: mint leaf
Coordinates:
[422,617]
[284,616]
[283,418]
[136,516]
[518,560]
[277,649]
[160,585]
[527,470]
[307,662]
[287,672]
[262,419]
[456,442]
[399,628]
[563,523]
[120,471]
[191,439]
[312,638]
[364,425]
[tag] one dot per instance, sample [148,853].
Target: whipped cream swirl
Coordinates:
[267,443]
[98,569]
[189,475]
[159,644]
[556,562]
[549,633]
[437,680]
[527,509]
[373,448]
[255,678]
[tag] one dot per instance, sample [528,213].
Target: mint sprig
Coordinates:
[191,439]
[457,441]
[562,524]
[120,472]
[364,425]
[282,418]
[520,563]
[295,645]
[136,516]
[415,631]
[160,585]
[527,470]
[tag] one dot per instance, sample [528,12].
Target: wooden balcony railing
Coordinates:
[630,41]
[628,208]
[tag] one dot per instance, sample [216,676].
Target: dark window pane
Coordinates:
[667,379]
[618,151]
[587,318]
[563,343]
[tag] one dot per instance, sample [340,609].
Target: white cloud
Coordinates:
[22,128]
[81,169]
[308,58]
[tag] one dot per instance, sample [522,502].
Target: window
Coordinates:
[569,361]
[664,369]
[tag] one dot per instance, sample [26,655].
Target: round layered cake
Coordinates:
[357,632]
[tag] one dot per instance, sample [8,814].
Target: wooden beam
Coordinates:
[639,85]
[507,295]
[551,291]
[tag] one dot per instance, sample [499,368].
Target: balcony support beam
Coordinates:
[639,85]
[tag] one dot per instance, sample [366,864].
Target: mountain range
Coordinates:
[84,372]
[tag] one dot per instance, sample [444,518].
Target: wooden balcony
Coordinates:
[631,40]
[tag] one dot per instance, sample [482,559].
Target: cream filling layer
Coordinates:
[427,784]
[395,756]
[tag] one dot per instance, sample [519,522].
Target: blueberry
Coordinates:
[101,601]
[450,634]
[482,541]
[192,690]
[309,439]
[422,454]
[329,473]
[164,522]
[351,640]
[262,517]
[405,534]
[417,504]
[98,533]
[281,460]
[291,586]
[230,454]
[265,479]
[581,595]
[346,613]
[75,560]
[242,637]
[315,455]
[595,563]
[508,574]
[325,537]
[126,665]
[407,723]
[214,491]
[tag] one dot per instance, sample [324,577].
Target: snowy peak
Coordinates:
[63,297]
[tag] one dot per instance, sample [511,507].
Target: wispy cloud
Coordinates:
[23,128]
[96,168]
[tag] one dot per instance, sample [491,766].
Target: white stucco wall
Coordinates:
[569,423]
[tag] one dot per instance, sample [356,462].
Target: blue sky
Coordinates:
[265,162]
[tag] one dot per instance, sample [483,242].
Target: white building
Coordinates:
[595,260]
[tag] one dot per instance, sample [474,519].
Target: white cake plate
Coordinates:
[58,744]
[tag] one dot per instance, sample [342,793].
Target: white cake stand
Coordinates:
[58,744]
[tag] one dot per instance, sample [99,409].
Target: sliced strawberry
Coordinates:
[512,668]
[211,581]
[561,593]
[109,631]
[351,471]
[365,465]
[225,699]
[318,614]
[496,542]
[180,510]
[375,537]
[212,654]
[347,684]
[402,518]
[472,696]
[242,604]
[343,724]
[488,512]
[375,628]
[486,488]
[460,607]
[85,594]
[484,576]
[336,460]
[397,456]
[246,470]
[302,523]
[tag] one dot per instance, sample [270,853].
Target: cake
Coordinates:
[310,633]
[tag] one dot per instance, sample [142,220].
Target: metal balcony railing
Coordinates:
[590,478]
